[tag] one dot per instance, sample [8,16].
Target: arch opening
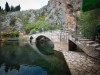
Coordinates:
[42,38]
[44,45]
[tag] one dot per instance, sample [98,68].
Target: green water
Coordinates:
[21,58]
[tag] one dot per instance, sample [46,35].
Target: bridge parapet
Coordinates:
[54,35]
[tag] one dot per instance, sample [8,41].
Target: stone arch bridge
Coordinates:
[54,36]
[73,40]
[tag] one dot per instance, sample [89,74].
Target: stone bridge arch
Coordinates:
[42,38]
[54,36]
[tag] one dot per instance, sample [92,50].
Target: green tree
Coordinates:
[16,32]
[0,7]
[7,8]
[43,24]
[29,27]
[12,8]
[33,31]
[3,33]
[17,8]
[11,34]
[88,22]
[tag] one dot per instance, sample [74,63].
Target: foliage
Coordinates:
[12,21]
[3,33]
[33,31]
[29,27]
[88,22]
[42,17]
[9,28]
[10,32]
[14,33]
[41,24]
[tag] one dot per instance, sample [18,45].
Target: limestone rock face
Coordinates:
[32,19]
[19,18]
[64,12]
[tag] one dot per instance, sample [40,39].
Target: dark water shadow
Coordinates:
[45,47]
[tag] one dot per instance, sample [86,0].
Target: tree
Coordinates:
[0,7]
[17,8]
[7,8]
[33,31]
[12,8]
[88,22]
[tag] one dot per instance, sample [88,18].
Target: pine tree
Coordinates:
[0,7]
[12,8]
[7,8]
[17,8]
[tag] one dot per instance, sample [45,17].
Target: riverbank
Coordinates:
[9,39]
[78,62]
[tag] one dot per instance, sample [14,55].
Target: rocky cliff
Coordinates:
[58,12]
[64,11]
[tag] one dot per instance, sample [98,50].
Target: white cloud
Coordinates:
[25,4]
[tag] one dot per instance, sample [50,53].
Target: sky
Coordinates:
[25,4]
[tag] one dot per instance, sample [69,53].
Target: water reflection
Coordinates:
[21,59]
[45,47]
[22,70]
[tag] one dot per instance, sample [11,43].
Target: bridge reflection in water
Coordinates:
[45,47]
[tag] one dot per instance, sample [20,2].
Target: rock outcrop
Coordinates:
[64,11]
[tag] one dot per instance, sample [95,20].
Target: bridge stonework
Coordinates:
[54,36]
[74,40]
